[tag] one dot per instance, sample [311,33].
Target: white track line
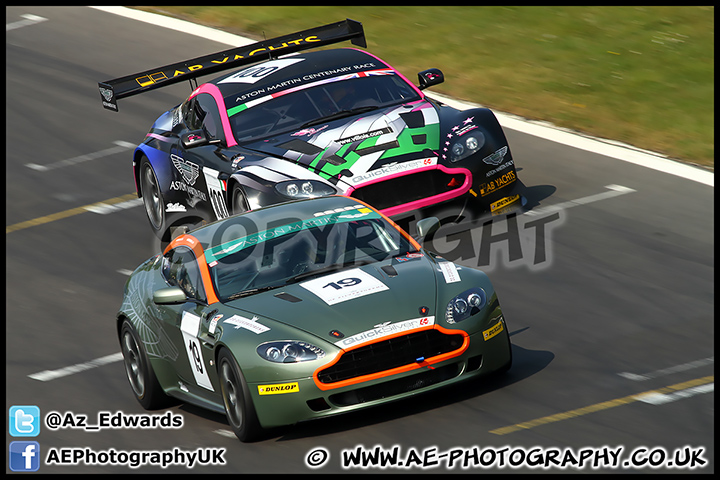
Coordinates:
[120,147]
[657,398]
[104,209]
[47,375]
[615,190]
[29,19]
[667,371]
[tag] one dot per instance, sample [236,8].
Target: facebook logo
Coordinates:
[24,456]
[24,421]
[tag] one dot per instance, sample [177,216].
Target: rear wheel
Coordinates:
[139,372]
[152,196]
[236,397]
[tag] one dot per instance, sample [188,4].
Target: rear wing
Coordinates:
[113,90]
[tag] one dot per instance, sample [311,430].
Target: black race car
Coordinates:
[291,125]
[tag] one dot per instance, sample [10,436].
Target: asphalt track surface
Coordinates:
[610,304]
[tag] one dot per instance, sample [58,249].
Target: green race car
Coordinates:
[302,310]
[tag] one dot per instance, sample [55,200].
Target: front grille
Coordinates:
[408,188]
[391,353]
[414,382]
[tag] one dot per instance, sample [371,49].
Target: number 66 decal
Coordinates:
[344,286]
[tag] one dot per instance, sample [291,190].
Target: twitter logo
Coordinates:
[24,421]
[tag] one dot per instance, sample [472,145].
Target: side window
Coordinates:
[208,113]
[201,112]
[188,113]
[180,269]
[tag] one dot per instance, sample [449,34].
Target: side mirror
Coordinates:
[426,226]
[197,138]
[430,77]
[169,296]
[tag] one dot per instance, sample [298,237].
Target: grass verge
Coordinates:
[642,75]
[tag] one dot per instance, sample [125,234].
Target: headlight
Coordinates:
[465,305]
[289,351]
[291,190]
[466,146]
[304,188]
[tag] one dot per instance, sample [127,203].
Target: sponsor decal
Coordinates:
[247,323]
[175,207]
[384,330]
[393,168]
[499,169]
[467,125]
[450,272]
[363,212]
[184,187]
[108,98]
[188,170]
[106,93]
[278,388]
[339,210]
[497,157]
[364,136]
[151,78]
[236,161]
[503,202]
[308,131]
[213,323]
[492,331]
[498,183]
[409,256]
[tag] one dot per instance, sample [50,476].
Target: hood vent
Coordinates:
[287,297]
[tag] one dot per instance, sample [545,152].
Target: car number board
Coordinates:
[190,328]
[343,286]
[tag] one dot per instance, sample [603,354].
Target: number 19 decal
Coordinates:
[344,286]
[190,327]
[345,282]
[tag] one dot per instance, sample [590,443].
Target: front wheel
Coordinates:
[236,398]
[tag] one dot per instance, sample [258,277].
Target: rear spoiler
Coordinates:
[113,90]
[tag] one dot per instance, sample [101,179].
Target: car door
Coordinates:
[187,323]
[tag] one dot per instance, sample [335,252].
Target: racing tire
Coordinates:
[236,397]
[238,201]
[144,383]
[152,196]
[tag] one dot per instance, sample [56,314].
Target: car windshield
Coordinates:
[316,103]
[297,251]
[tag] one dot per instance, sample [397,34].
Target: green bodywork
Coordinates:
[185,362]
